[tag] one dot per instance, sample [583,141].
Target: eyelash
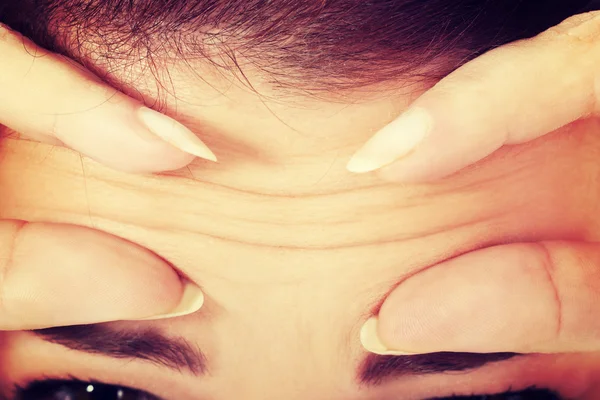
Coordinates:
[75,389]
[527,394]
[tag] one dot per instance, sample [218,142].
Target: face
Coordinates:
[293,252]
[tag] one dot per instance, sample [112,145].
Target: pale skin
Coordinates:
[291,249]
[293,252]
[105,125]
[557,79]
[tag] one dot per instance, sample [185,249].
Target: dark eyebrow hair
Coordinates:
[146,344]
[178,354]
[376,368]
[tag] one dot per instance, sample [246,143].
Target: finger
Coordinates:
[538,297]
[56,275]
[44,94]
[510,95]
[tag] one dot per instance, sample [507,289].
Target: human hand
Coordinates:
[58,274]
[510,95]
[48,97]
[526,298]
[529,297]
[53,274]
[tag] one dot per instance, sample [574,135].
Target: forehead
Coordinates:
[264,124]
[293,252]
[247,230]
[290,272]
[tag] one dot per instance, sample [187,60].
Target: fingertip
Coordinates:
[472,303]
[174,133]
[192,299]
[442,154]
[114,135]
[68,275]
[425,144]
[371,340]
[394,141]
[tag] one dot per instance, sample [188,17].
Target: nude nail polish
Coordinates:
[191,301]
[175,133]
[369,338]
[392,142]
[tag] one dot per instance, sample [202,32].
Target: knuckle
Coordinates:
[14,42]
[7,35]
[7,260]
[4,31]
[581,28]
[575,44]
[595,100]
[548,263]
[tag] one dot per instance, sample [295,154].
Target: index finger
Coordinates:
[510,95]
[44,94]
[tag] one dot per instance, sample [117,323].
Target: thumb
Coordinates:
[56,275]
[526,298]
[510,95]
[43,95]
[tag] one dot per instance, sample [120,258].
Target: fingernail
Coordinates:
[392,142]
[369,338]
[191,301]
[175,133]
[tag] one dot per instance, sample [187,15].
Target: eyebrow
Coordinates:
[177,354]
[146,345]
[376,369]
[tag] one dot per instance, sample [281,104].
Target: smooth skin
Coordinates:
[569,89]
[528,297]
[293,252]
[52,99]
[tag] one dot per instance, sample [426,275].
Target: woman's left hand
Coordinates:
[525,298]
[510,95]
[532,297]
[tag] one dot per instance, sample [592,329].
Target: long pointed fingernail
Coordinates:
[175,133]
[369,338]
[191,301]
[393,141]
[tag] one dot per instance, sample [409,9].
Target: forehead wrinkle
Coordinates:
[300,213]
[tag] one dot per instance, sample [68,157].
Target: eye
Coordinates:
[78,390]
[528,394]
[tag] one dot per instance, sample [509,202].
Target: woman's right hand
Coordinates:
[540,297]
[59,274]
[55,274]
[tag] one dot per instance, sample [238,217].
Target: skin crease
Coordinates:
[293,252]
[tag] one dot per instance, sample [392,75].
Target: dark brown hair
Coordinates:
[307,44]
